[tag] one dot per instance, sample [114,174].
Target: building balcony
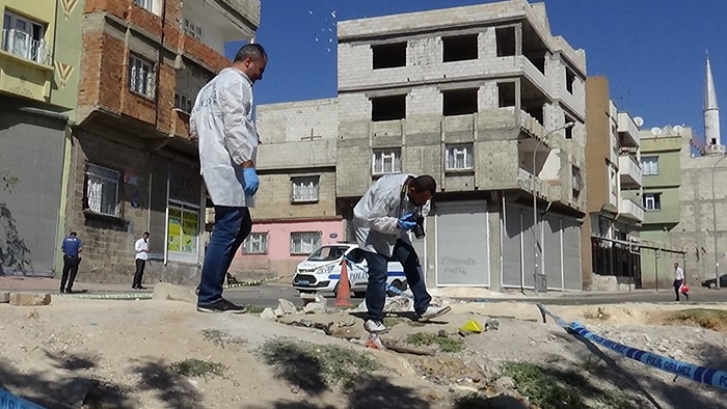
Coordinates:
[26,66]
[628,131]
[629,171]
[216,22]
[631,210]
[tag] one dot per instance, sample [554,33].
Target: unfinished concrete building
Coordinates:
[479,97]
[470,95]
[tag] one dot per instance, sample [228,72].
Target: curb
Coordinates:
[122,296]
[255,282]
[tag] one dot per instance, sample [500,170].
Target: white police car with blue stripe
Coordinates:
[321,271]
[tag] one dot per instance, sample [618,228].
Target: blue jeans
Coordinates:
[376,290]
[232,226]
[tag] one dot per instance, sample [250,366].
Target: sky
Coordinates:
[652,51]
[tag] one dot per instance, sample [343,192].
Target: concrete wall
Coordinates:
[275,199]
[294,121]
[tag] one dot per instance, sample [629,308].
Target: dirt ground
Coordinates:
[126,354]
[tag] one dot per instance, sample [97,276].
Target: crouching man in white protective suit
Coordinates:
[382,219]
[228,142]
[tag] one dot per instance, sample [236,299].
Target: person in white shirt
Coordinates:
[142,254]
[383,218]
[222,121]
[678,281]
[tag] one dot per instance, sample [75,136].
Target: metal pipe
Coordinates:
[535,207]
[714,220]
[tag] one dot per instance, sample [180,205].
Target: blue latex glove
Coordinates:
[406,223]
[249,176]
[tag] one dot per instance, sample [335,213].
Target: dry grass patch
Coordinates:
[707,318]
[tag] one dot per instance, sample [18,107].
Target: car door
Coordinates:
[358,273]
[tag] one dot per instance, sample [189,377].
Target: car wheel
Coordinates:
[712,286]
[398,285]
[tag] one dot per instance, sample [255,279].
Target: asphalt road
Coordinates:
[268,295]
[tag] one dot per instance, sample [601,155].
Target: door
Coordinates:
[462,243]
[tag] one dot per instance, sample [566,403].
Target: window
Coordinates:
[304,242]
[650,165]
[102,190]
[386,161]
[145,4]
[24,38]
[191,29]
[389,55]
[577,178]
[182,228]
[652,201]
[388,108]
[459,48]
[256,243]
[506,94]
[141,77]
[305,189]
[570,79]
[505,37]
[459,157]
[183,103]
[460,102]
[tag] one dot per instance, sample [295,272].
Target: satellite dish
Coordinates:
[678,129]
[333,235]
[639,121]
[667,130]
[656,131]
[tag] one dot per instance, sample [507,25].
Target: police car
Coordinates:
[321,271]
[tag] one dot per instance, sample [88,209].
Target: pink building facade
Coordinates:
[277,246]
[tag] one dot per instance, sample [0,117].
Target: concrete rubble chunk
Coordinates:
[286,306]
[268,314]
[168,291]
[315,308]
[278,312]
[4,297]
[29,299]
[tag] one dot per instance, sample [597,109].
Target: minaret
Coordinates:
[711,114]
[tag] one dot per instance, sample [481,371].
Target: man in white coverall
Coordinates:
[222,120]
[382,219]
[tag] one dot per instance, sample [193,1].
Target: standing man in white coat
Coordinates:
[222,120]
[142,254]
[382,219]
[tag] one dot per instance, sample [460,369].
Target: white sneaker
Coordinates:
[433,312]
[374,326]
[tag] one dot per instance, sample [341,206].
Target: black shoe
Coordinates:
[221,306]
[133,286]
[140,287]
[69,291]
[62,291]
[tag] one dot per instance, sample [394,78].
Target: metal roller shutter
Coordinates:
[552,254]
[572,254]
[511,248]
[462,243]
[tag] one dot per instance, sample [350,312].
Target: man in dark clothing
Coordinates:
[72,246]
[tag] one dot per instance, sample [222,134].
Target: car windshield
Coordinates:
[328,253]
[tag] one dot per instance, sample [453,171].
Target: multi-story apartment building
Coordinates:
[479,97]
[614,177]
[35,104]
[662,179]
[296,207]
[133,166]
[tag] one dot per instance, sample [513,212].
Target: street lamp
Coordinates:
[714,228]
[537,234]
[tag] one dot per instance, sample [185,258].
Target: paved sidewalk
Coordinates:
[52,285]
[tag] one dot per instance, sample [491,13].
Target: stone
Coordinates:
[168,291]
[309,298]
[286,306]
[503,385]
[314,308]
[278,312]
[268,314]
[4,297]
[28,299]
[463,389]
